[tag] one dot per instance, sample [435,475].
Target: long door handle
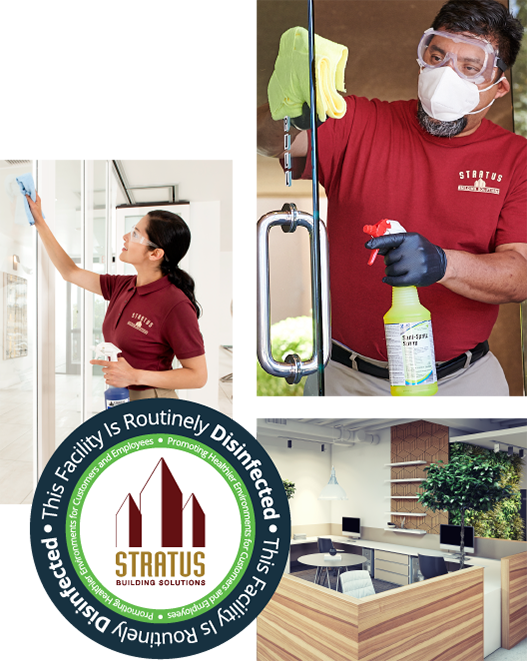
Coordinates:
[293,368]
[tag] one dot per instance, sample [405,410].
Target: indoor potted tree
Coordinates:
[465,483]
[289,488]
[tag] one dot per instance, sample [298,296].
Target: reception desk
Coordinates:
[440,619]
[399,564]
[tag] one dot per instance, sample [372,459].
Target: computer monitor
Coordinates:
[351,527]
[450,538]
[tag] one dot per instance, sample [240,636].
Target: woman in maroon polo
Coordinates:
[152,316]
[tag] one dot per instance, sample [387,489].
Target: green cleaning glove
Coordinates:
[288,88]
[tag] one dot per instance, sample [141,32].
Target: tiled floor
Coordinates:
[16,431]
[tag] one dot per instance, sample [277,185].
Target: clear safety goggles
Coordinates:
[136,237]
[472,59]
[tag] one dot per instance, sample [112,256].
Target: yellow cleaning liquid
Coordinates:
[410,345]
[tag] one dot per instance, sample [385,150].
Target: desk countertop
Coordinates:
[492,566]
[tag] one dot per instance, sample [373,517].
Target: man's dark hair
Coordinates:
[485,18]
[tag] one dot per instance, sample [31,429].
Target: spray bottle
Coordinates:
[408,330]
[112,396]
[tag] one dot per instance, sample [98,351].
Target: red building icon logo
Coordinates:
[161,519]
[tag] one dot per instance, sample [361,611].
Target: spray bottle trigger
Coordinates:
[373,256]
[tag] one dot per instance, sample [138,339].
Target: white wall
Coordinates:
[238,282]
[309,468]
[360,471]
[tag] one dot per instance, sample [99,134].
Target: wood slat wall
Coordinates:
[513,599]
[424,441]
[440,619]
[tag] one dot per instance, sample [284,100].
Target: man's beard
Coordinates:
[437,127]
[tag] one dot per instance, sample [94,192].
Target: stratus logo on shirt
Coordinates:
[481,177]
[141,323]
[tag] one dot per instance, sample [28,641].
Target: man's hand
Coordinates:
[410,259]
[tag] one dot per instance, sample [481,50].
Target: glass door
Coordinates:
[293,296]
[519,95]
[384,35]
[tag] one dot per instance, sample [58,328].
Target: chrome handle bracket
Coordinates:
[292,368]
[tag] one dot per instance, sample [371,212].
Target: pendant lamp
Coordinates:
[333,490]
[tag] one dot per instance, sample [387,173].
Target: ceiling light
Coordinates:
[496,447]
[333,490]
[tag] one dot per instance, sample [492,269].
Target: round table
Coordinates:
[320,561]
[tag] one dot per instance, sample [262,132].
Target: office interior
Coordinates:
[47,386]
[382,38]
[361,452]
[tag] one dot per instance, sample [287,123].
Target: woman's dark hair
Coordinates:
[171,233]
[485,18]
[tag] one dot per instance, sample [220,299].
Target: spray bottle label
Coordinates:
[111,403]
[411,357]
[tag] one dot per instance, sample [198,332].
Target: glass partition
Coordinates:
[381,37]
[68,299]
[519,95]
[96,258]
[17,340]
[289,265]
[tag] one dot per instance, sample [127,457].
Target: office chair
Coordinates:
[432,565]
[324,544]
[357,583]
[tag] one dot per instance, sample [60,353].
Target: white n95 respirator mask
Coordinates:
[447,97]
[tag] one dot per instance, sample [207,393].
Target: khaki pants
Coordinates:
[152,393]
[484,377]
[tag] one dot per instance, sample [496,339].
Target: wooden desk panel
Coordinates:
[436,620]
[513,599]
[440,619]
[308,622]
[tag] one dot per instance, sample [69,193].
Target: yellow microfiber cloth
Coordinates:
[288,88]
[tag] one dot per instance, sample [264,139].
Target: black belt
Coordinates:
[345,357]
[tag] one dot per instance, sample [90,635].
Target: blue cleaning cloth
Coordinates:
[27,187]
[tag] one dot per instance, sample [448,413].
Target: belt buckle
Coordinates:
[468,359]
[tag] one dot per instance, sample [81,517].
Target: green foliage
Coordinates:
[289,488]
[292,335]
[465,483]
[519,77]
[503,521]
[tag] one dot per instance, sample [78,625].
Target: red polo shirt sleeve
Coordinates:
[111,285]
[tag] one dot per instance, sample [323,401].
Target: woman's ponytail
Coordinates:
[171,233]
[183,281]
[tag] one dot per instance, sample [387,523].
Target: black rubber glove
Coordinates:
[410,259]
[303,122]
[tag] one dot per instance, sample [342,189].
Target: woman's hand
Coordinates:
[36,208]
[118,374]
